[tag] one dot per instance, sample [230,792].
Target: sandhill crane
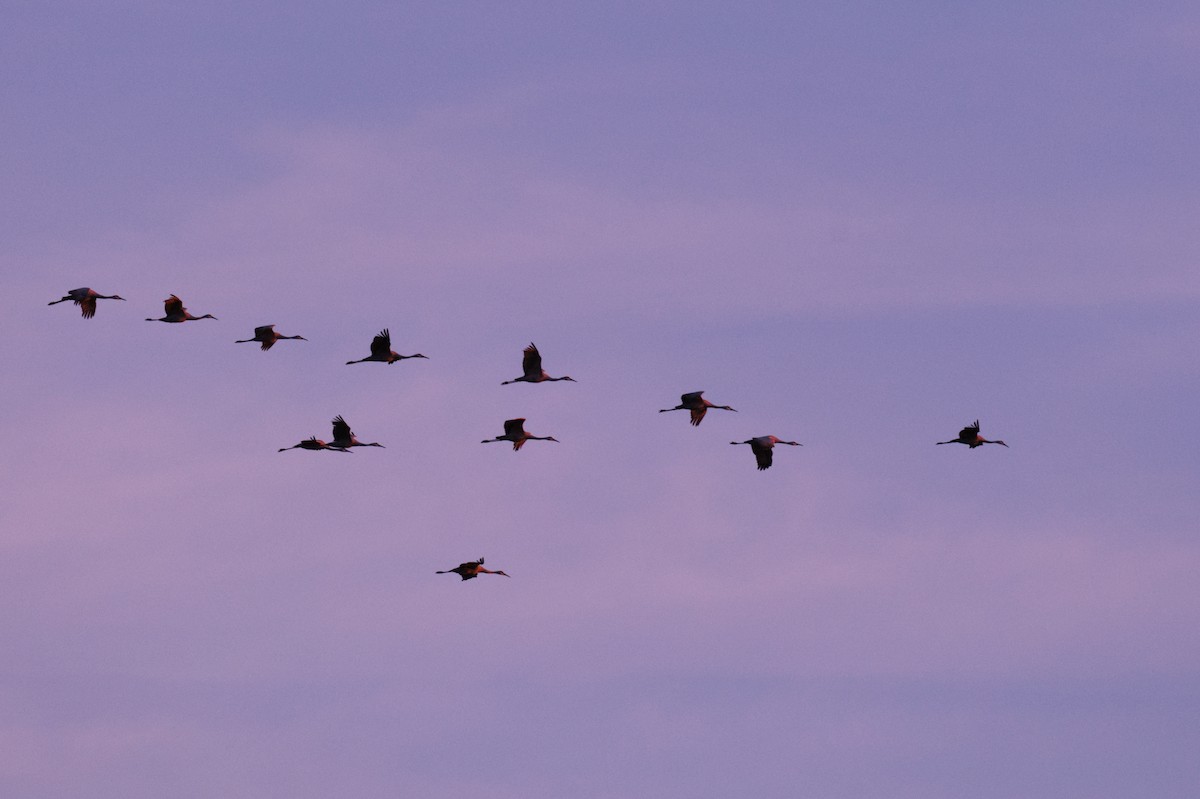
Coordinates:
[762,447]
[514,431]
[344,438]
[699,406]
[315,443]
[86,300]
[381,350]
[471,569]
[177,313]
[267,336]
[969,435]
[531,365]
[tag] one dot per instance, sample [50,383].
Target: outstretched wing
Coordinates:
[970,432]
[691,398]
[265,335]
[698,414]
[514,427]
[381,345]
[531,363]
[87,307]
[762,454]
[341,430]
[173,306]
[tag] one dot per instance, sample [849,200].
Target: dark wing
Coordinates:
[969,433]
[691,398]
[341,430]
[265,335]
[381,345]
[467,570]
[531,364]
[87,307]
[762,455]
[173,306]
[698,414]
[514,427]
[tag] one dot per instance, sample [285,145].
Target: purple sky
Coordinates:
[862,225]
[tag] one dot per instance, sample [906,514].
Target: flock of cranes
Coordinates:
[344,439]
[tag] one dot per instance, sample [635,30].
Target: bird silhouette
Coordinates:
[177,313]
[531,365]
[86,300]
[381,350]
[763,448]
[514,431]
[969,435]
[314,443]
[344,438]
[699,406]
[470,570]
[267,336]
